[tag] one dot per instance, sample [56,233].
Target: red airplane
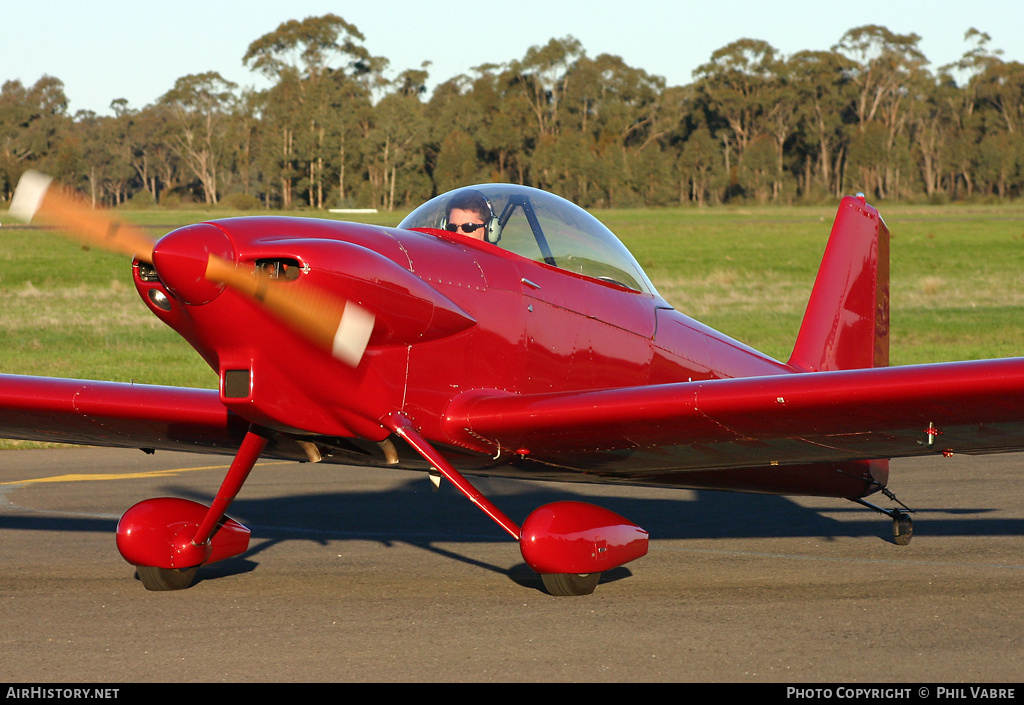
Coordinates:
[500,331]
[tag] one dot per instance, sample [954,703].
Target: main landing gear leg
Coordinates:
[167,539]
[569,544]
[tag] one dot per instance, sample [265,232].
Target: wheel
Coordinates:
[902,529]
[163,579]
[570,584]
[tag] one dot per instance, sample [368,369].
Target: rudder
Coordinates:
[846,325]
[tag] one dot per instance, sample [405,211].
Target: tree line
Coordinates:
[332,130]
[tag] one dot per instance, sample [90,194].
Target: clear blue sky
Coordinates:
[136,49]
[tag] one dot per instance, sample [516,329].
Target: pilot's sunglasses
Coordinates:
[466,227]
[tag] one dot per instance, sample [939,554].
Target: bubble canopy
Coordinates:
[541,227]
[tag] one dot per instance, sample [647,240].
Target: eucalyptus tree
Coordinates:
[738,89]
[998,162]
[456,163]
[244,138]
[991,84]
[324,78]
[866,115]
[777,125]
[700,169]
[14,150]
[143,138]
[33,122]
[822,95]
[887,71]
[542,76]
[936,123]
[278,159]
[619,113]
[977,143]
[457,108]
[394,159]
[90,136]
[999,90]
[199,106]
[881,63]
[1002,89]
[507,132]
[104,147]
[756,101]
[169,172]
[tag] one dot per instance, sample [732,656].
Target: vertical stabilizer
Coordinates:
[846,325]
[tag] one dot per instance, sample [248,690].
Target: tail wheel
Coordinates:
[570,584]
[164,579]
[902,528]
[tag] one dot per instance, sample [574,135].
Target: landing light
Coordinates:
[159,299]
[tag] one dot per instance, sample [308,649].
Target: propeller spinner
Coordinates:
[196,263]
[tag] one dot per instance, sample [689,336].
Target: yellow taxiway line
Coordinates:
[126,476]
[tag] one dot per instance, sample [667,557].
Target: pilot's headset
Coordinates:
[469,199]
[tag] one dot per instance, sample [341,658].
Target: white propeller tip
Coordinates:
[29,195]
[353,334]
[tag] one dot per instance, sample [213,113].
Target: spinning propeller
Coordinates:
[33,197]
[189,260]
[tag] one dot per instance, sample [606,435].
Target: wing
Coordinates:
[621,434]
[114,414]
[787,419]
[150,417]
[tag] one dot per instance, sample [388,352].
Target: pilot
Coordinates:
[469,213]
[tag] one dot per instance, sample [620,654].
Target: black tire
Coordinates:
[570,584]
[164,579]
[902,529]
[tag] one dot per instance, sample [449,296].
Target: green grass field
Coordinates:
[957,286]
[957,279]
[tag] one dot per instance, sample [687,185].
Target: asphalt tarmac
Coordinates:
[369,575]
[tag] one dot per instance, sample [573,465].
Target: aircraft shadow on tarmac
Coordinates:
[416,514]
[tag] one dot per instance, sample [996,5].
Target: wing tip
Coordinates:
[28,196]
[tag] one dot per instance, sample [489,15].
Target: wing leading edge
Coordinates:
[786,419]
[116,414]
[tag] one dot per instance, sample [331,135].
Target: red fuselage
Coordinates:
[523,327]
